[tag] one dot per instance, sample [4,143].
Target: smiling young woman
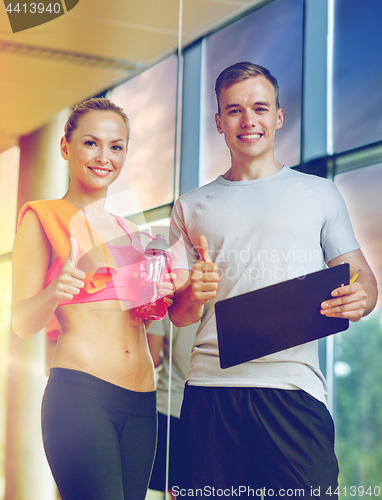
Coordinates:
[73,259]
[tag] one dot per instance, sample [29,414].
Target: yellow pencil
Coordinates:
[354,277]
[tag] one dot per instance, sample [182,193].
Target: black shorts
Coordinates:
[99,438]
[281,441]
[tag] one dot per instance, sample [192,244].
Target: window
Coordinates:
[5,327]
[9,177]
[149,100]
[272,37]
[357,367]
[361,189]
[357,73]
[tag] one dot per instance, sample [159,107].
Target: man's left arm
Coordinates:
[358,299]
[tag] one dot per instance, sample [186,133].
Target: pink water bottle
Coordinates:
[155,264]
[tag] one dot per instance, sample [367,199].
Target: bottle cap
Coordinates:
[159,243]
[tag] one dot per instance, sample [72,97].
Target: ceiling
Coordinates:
[95,45]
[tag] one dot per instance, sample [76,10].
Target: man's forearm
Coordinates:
[369,283]
[184,310]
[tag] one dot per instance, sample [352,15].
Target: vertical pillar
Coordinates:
[314,118]
[43,175]
[316,123]
[191,119]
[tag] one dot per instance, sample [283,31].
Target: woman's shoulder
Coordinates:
[47,209]
[39,204]
[48,222]
[30,233]
[29,219]
[130,226]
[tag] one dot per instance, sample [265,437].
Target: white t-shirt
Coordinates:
[260,232]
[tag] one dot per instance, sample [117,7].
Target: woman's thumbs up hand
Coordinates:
[70,280]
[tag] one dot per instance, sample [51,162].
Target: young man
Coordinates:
[264,423]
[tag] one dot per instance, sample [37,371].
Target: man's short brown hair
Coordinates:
[242,71]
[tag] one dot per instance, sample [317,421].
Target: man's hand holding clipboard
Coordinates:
[358,298]
[278,317]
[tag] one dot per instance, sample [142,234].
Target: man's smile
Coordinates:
[250,136]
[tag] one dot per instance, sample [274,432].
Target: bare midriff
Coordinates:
[107,341]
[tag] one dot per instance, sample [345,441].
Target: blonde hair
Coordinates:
[93,104]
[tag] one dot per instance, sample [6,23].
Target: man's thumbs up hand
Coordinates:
[204,277]
[203,249]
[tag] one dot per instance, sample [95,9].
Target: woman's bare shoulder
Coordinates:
[132,227]
[31,229]
[31,242]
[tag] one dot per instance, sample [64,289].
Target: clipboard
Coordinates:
[277,317]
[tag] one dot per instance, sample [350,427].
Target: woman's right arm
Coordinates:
[32,304]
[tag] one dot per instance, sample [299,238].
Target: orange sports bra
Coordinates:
[123,286]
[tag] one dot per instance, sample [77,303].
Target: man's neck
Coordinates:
[251,170]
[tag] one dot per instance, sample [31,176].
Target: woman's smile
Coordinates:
[102,172]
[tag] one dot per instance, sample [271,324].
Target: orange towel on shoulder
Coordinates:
[60,221]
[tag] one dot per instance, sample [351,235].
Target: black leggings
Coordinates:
[99,438]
